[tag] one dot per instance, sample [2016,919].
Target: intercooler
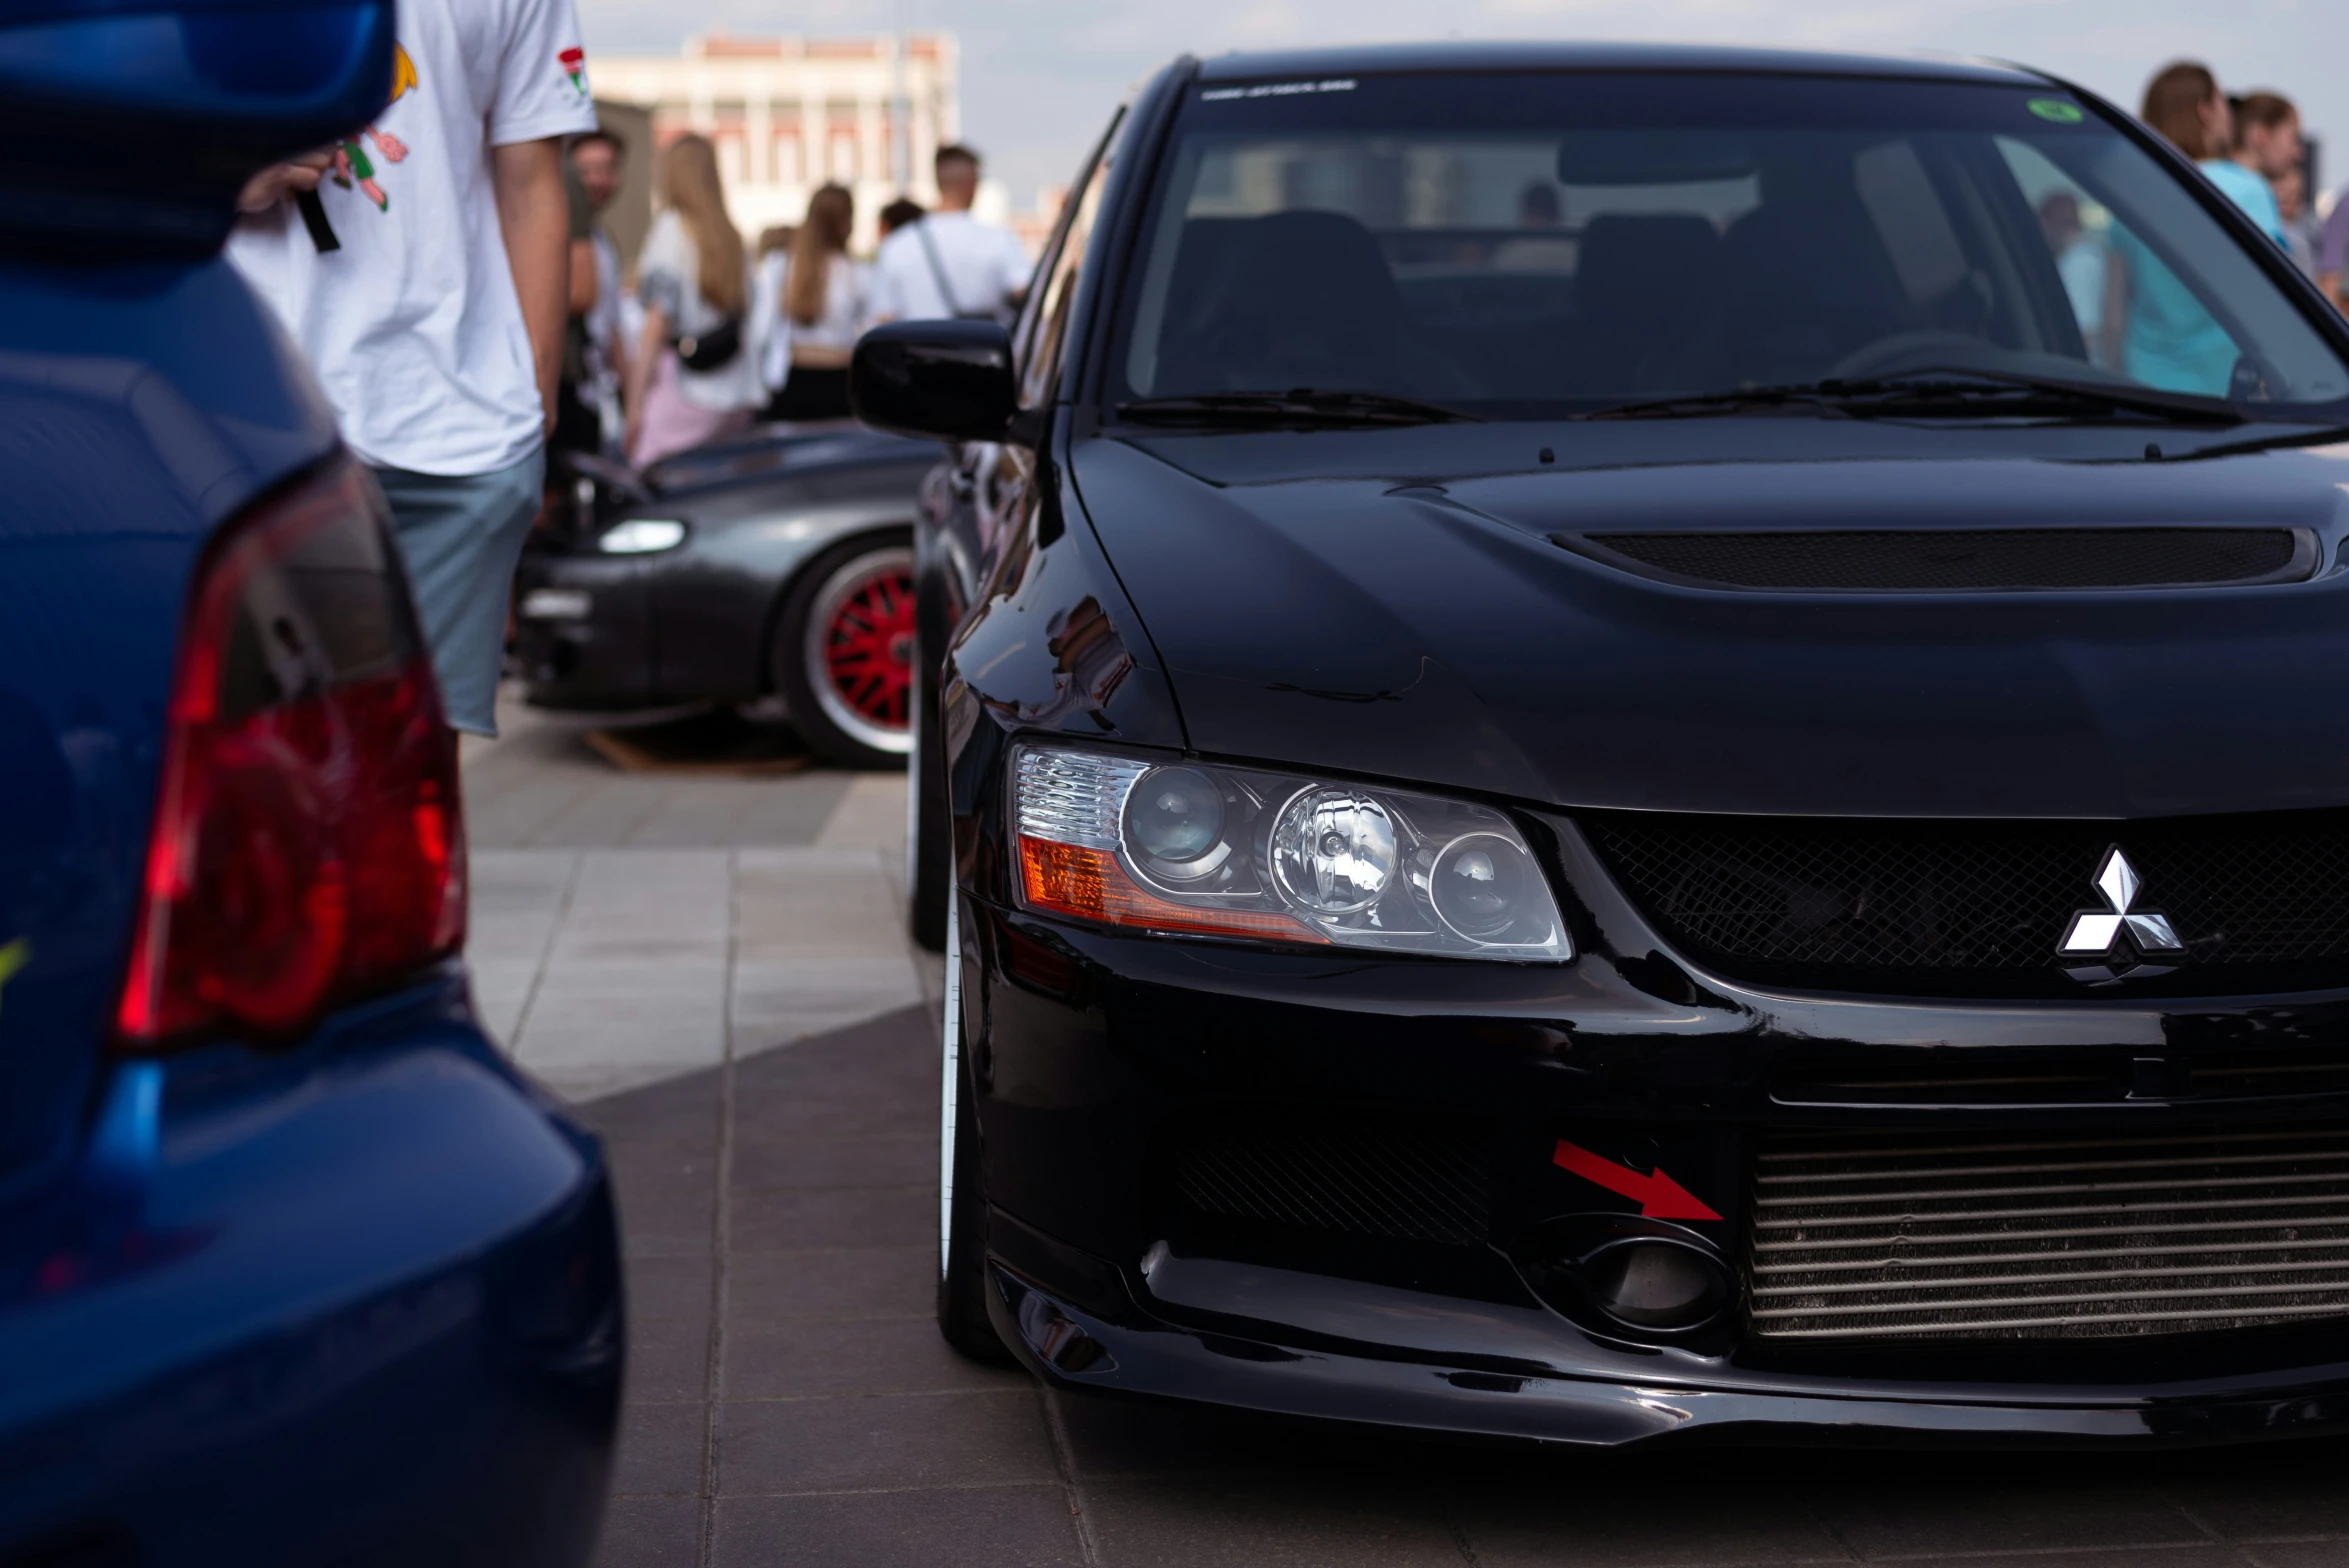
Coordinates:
[2014,1236]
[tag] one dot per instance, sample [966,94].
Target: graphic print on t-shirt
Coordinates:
[413,323]
[350,158]
[574,64]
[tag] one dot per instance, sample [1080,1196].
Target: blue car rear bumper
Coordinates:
[357,1303]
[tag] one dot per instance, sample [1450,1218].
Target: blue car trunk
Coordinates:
[140,407]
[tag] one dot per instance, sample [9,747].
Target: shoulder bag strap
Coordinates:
[937,267]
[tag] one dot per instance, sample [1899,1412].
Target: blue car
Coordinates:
[294,1268]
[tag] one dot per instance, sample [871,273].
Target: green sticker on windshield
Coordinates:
[2057,110]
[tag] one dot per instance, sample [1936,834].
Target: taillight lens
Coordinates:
[307,846]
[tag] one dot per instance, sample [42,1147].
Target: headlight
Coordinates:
[642,536]
[1271,856]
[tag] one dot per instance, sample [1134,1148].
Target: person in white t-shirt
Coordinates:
[423,267]
[599,159]
[814,303]
[692,374]
[949,263]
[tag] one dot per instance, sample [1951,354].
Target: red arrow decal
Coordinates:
[1659,1197]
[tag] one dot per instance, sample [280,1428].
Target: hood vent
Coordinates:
[1980,560]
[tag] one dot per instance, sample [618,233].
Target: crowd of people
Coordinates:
[2135,316]
[711,340]
[2251,147]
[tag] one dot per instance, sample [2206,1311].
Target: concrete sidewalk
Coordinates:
[714,969]
[627,927]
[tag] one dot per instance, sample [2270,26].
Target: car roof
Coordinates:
[1389,59]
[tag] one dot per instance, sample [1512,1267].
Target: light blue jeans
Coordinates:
[460,538]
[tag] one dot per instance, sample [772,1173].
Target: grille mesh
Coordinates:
[1945,560]
[1823,895]
[2004,1237]
[1396,1183]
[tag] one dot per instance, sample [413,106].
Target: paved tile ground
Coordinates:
[623,924]
[730,1000]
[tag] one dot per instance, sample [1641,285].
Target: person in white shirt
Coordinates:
[818,295]
[768,340]
[425,276]
[949,263]
[600,159]
[692,377]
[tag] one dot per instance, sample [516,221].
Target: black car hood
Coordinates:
[1427,629]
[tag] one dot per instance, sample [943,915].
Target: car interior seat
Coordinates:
[1291,299]
[1642,297]
[1802,284]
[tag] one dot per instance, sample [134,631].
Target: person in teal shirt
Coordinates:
[2249,192]
[2170,341]
[2267,147]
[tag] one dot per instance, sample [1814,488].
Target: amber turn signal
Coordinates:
[1089,884]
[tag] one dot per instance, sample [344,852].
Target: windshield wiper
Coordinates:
[1299,405]
[2300,435]
[1953,394]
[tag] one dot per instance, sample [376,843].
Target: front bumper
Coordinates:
[584,632]
[359,1303]
[1091,1053]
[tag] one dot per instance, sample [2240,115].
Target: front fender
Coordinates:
[1052,645]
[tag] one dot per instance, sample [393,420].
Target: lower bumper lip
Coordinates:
[1489,1395]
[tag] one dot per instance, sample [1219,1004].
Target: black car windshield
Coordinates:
[1540,244]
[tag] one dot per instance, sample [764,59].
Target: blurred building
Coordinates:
[789,114]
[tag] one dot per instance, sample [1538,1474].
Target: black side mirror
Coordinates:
[947,379]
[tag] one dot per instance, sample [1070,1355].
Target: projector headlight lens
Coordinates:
[1485,887]
[1244,852]
[1174,815]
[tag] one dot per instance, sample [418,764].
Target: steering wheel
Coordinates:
[1929,348]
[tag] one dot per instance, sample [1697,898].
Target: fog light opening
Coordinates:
[1655,1284]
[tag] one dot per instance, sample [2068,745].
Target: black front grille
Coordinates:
[2001,1236]
[1968,560]
[1395,1183]
[1866,902]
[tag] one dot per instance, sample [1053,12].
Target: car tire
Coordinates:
[842,655]
[962,1201]
[929,849]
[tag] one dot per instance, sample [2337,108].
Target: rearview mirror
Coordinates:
[130,125]
[947,379]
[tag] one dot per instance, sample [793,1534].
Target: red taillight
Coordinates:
[307,846]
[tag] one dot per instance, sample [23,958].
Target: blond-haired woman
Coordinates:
[819,292]
[693,376]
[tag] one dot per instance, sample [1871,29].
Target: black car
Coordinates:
[776,566]
[1633,741]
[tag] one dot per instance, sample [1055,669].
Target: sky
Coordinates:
[1040,77]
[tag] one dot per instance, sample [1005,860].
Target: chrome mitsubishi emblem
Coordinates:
[2095,932]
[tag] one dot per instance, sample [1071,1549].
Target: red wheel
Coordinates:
[845,654]
[868,637]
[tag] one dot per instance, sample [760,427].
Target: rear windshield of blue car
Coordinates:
[1552,242]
